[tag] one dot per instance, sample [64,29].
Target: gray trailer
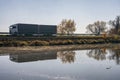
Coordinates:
[32,29]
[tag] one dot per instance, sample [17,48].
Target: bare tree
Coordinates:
[61,27]
[70,26]
[97,27]
[115,25]
[66,27]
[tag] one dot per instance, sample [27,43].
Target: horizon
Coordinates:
[51,12]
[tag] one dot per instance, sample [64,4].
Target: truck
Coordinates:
[32,29]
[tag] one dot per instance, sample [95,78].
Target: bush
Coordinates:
[77,42]
[70,41]
[116,37]
[7,43]
[39,43]
[22,43]
[1,43]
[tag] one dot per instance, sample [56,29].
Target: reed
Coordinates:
[62,40]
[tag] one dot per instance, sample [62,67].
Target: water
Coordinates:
[92,64]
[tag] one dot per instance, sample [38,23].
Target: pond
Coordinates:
[86,64]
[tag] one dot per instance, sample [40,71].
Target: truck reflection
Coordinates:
[29,57]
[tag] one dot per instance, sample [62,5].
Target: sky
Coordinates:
[51,12]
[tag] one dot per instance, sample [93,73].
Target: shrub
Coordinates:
[1,43]
[116,37]
[78,42]
[53,42]
[39,43]
[7,43]
[70,41]
[104,35]
[44,43]
[22,43]
[15,43]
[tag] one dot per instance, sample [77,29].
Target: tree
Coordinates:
[115,25]
[66,27]
[97,27]
[61,27]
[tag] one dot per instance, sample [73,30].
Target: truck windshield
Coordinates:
[13,27]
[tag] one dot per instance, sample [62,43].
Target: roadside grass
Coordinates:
[61,40]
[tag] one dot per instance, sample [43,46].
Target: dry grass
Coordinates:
[30,49]
[61,40]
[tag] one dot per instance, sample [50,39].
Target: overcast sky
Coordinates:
[52,12]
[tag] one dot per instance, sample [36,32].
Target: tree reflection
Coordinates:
[98,54]
[66,56]
[115,55]
[102,54]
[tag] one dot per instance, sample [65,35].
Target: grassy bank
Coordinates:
[32,49]
[61,40]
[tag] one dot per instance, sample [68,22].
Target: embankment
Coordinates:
[33,49]
[7,41]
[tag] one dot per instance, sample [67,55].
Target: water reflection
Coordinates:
[115,55]
[28,57]
[100,62]
[98,54]
[103,54]
[66,56]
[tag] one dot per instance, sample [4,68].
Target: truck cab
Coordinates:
[13,29]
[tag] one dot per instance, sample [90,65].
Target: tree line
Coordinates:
[69,26]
